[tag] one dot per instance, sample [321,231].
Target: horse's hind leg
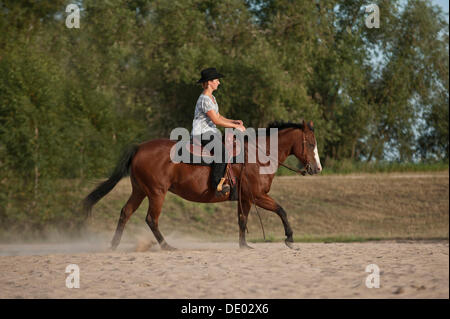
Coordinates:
[154,210]
[130,207]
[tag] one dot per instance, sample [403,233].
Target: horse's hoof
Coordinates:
[290,244]
[245,246]
[166,246]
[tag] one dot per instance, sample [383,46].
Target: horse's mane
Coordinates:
[280,125]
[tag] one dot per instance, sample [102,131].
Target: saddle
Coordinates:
[232,146]
[202,156]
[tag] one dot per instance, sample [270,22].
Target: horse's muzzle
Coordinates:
[312,170]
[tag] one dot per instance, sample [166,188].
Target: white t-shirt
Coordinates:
[202,123]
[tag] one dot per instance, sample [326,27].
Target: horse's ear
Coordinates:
[303,124]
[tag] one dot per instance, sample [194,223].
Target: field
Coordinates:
[342,224]
[320,208]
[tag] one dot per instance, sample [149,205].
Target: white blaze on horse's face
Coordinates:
[317,158]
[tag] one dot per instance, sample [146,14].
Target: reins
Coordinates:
[303,172]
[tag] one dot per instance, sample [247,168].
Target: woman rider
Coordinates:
[206,117]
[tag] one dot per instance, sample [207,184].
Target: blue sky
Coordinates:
[442,3]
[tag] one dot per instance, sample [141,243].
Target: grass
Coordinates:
[329,208]
[324,208]
[350,167]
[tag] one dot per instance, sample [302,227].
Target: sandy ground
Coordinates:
[222,270]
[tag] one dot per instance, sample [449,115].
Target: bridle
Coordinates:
[307,166]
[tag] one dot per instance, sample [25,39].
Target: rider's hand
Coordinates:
[241,128]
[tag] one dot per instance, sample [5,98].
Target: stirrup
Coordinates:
[222,189]
[219,187]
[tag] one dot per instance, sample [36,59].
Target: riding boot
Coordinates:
[218,179]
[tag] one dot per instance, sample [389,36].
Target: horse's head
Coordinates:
[306,149]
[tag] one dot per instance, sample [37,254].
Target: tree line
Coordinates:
[72,98]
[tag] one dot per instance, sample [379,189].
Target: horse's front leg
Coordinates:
[242,221]
[287,228]
[269,203]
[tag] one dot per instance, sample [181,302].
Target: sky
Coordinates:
[443,4]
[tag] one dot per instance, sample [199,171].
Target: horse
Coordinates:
[153,173]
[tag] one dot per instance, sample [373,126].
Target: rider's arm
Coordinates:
[232,121]
[220,120]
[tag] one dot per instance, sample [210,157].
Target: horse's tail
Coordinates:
[122,170]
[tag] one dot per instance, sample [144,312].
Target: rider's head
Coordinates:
[213,84]
[210,78]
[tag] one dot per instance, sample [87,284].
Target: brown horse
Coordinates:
[152,174]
